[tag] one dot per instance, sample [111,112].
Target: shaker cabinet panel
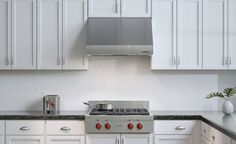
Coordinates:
[164,52]
[136,139]
[232,34]
[103,139]
[23,34]
[173,139]
[135,8]
[24,139]
[65,140]
[189,50]
[74,34]
[5,31]
[49,34]
[214,30]
[104,8]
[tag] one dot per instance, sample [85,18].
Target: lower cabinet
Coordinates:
[1,139]
[25,140]
[205,141]
[173,139]
[119,139]
[233,142]
[65,140]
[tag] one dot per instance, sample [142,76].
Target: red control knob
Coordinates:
[53,104]
[139,126]
[98,126]
[130,126]
[107,125]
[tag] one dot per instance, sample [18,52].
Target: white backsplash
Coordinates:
[128,78]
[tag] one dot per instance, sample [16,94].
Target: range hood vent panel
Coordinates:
[119,36]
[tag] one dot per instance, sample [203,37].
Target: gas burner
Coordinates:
[120,111]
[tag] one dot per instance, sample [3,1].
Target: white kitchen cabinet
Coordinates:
[214,34]
[189,47]
[233,142]
[104,8]
[23,34]
[74,34]
[117,8]
[205,141]
[136,139]
[232,34]
[65,140]
[5,34]
[24,139]
[173,139]
[103,139]
[135,8]
[164,34]
[49,34]
[2,140]
[177,34]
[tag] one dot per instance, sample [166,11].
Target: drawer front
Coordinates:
[65,128]
[24,127]
[174,127]
[215,135]
[205,130]
[2,127]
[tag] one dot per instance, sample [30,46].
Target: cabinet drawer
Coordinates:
[174,127]
[24,127]
[215,135]
[65,128]
[1,127]
[205,130]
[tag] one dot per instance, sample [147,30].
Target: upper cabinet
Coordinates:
[117,8]
[214,34]
[177,34]
[232,34]
[5,43]
[23,34]
[49,34]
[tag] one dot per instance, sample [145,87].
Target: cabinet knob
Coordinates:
[213,138]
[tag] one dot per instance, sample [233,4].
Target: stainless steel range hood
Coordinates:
[119,36]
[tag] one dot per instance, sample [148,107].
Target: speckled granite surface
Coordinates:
[69,115]
[224,123]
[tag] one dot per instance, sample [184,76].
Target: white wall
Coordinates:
[114,78]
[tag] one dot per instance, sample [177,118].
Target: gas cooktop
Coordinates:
[120,111]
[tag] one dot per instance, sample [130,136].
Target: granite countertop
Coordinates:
[224,123]
[38,115]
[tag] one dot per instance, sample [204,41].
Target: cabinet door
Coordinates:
[104,8]
[25,140]
[23,34]
[103,139]
[74,19]
[205,141]
[189,48]
[5,22]
[173,139]
[232,34]
[2,140]
[65,140]
[136,8]
[164,34]
[49,34]
[224,139]
[214,30]
[136,139]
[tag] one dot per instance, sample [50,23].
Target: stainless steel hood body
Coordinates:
[119,36]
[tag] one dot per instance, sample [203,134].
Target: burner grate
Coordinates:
[121,111]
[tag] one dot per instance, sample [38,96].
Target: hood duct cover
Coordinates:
[119,36]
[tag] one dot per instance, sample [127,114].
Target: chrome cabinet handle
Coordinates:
[24,128]
[180,128]
[65,129]
[213,138]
